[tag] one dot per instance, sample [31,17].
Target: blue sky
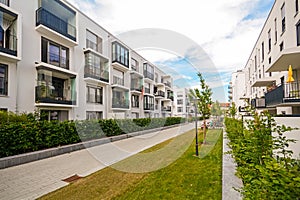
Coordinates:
[225,29]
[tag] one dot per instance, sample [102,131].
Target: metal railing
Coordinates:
[160,93]
[119,103]
[48,94]
[118,81]
[96,73]
[52,21]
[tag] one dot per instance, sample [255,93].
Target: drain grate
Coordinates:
[72,178]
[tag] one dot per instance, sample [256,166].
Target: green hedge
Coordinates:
[265,175]
[23,133]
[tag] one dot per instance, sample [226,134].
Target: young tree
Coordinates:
[216,109]
[203,99]
[232,110]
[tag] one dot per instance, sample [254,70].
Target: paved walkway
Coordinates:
[229,180]
[32,180]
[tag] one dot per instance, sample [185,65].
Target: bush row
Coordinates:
[264,162]
[23,134]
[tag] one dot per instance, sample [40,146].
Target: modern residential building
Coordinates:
[183,106]
[266,71]
[237,91]
[57,61]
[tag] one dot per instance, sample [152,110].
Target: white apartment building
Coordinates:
[237,91]
[277,47]
[182,103]
[56,60]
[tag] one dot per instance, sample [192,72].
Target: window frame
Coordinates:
[5,80]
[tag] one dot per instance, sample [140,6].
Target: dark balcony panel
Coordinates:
[258,103]
[274,96]
[148,75]
[52,21]
[148,106]
[118,104]
[160,93]
[43,94]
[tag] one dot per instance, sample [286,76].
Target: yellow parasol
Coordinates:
[290,75]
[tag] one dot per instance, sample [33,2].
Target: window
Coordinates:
[269,41]
[57,115]
[134,64]
[3,79]
[148,71]
[270,74]
[275,28]
[135,101]
[94,115]
[255,62]
[297,6]
[259,74]
[120,54]
[281,46]
[93,41]
[6,2]
[262,51]
[270,60]
[55,54]
[283,18]
[118,77]
[148,103]
[298,33]
[179,109]
[94,94]
[179,101]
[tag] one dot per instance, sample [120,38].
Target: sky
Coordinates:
[221,34]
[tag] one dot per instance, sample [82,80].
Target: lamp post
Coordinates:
[196,120]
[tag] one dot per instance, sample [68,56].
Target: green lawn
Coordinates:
[188,177]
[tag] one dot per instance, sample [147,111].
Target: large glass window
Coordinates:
[148,103]
[3,79]
[8,32]
[120,98]
[93,41]
[148,71]
[135,101]
[120,54]
[134,65]
[55,54]
[94,95]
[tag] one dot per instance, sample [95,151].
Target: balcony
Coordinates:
[167,109]
[120,57]
[286,93]
[46,94]
[148,107]
[147,90]
[148,75]
[120,99]
[96,67]
[117,104]
[118,81]
[55,17]
[159,94]
[136,83]
[258,103]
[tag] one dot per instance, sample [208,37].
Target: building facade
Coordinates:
[57,61]
[266,71]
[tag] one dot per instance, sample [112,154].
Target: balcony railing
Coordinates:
[117,103]
[286,93]
[136,88]
[148,75]
[96,73]
[148,106]
[46,94]
[160,93]
[258,103]
[118,81]
[167,109]
[55,23]
[147,90]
